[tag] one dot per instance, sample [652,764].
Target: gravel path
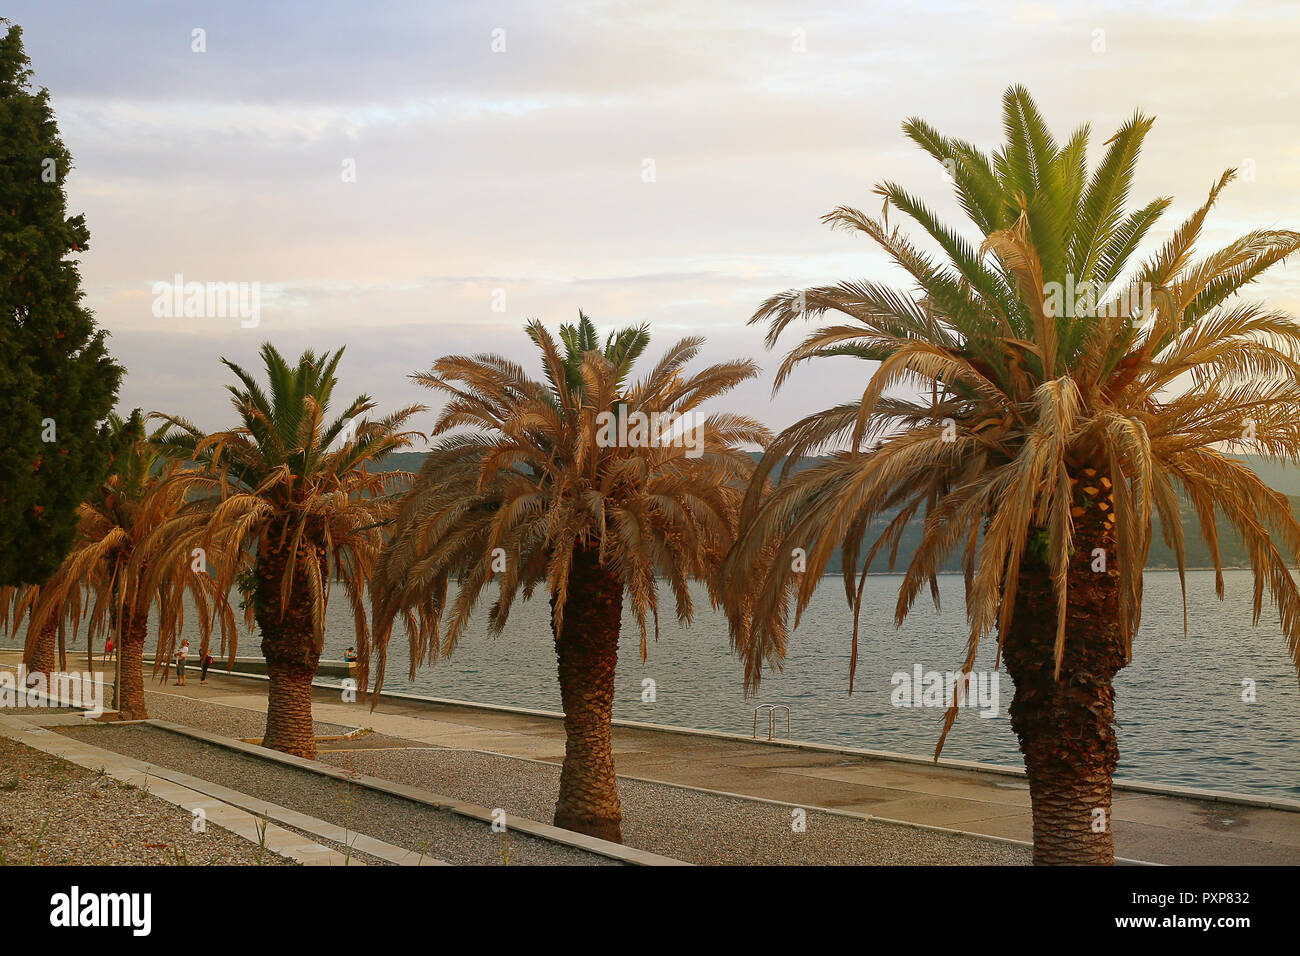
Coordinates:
[219,718]
[445,836]
[684,824]
[696,827]
[93,820]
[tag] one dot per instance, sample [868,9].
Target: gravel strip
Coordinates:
[696,827]
[403,823]
[219,718]
[684,824]
[93,820]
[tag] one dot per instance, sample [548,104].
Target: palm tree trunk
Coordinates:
[289,724]
[587,654]
[130,696]
[1066,725]
[44,658]
[288,644]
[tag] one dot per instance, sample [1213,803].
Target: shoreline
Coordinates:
[962,799]
[1271,802]
[972,766]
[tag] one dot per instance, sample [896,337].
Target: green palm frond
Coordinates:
[993,391]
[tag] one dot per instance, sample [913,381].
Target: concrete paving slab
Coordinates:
[1016,827]
[1159,824]
[873,778]
[942,811]
[154,781]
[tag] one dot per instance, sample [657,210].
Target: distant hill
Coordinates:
[1281,477]
[399,461]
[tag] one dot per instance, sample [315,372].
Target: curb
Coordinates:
[174,790]
[1119,784]
[968,766]
[542,831]
[851,814]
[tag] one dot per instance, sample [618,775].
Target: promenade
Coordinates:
[1151,824]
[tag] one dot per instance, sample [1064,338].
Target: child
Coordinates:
[203,670]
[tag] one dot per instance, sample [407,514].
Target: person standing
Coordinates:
[203,668]
[182,656]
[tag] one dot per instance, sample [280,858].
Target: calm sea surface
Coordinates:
[1179,705]
[1182,719]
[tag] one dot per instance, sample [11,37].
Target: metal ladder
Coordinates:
[771,719]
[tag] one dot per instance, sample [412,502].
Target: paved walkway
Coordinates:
[1166,827]
[217,804]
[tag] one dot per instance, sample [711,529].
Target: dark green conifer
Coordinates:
[57,380]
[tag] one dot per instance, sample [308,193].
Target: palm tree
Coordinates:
[108,563]
[286,495]
[1061,400]
[43,651]
[550,489]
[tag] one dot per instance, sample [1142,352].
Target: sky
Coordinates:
[416,179]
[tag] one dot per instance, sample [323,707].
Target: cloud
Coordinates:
[524,172]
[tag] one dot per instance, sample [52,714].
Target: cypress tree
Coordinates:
[57,380]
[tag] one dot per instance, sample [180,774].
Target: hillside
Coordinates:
[1283,477]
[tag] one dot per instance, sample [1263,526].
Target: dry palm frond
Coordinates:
[1149,393]
[288,477]
[100,578]
[536,479]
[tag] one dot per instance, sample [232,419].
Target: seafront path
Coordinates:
[1163,825]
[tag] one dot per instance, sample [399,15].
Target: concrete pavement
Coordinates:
[1153,824]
